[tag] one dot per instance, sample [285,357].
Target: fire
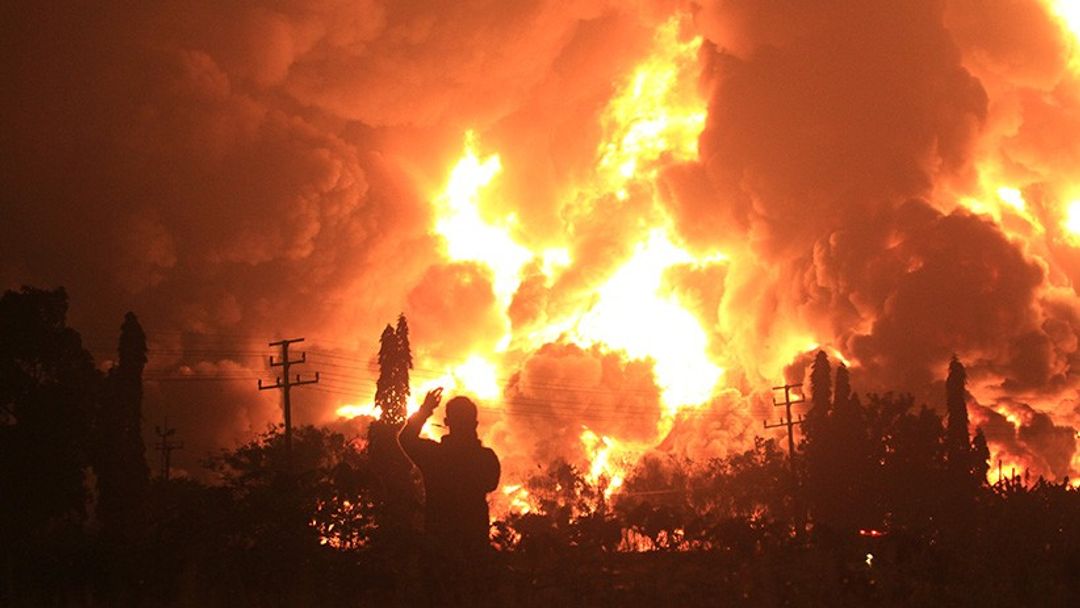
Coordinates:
[833,353]
[654,115]
[673,338]
[475,376]
[350,410]
[603,469]
[1002,203]
[1068,12]
[518,498]
[467,235]
[1003,465]
[1072,219]
[653,119]
[1013,198]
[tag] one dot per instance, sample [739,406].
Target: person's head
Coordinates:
[461,415]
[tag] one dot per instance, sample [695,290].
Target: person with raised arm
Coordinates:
[458,473]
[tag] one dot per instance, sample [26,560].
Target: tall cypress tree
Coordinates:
[399,492]
[980,456]
[963,471]
[819,487]
[842,390]
[386,391]
[957,441]
[820,385]
[123,475]
[404,352]
[395,360]
[403,362]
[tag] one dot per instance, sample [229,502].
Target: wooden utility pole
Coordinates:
[166,446]
[285,363]
[789,422]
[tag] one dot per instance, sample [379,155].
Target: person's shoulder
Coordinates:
[421,444]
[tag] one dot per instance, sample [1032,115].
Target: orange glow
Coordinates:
[467,235]
[354,410]
[518,498]
[653,119]
[1068,11]
[1072,219]
[673,337]
[653,114]
[604,470]
[627,305]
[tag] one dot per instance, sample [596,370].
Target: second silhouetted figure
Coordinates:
[458,473]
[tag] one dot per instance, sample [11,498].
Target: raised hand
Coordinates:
[431,401]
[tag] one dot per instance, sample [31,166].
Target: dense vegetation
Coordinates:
[887,504]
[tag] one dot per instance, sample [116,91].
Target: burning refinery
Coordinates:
[686,260]
[613,320]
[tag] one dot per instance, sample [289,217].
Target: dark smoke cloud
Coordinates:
[453,311]
[822,123]
[832,130]
[561,389]
[239,170]
[1037,441]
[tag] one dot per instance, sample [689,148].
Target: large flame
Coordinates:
[653,120]
[672,337]
[655,114]
[468,237]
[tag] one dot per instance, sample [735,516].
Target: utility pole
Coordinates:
[788,422]
[166,446]
[285,363]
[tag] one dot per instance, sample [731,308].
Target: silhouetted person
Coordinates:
[458,473]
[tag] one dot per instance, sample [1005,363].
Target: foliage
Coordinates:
[395,361]
[48,391]
[723,503]
[119,454]
[893,519]
[48,394]
[327,495]
[570,512]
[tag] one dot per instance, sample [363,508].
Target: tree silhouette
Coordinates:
[820,385]
[957,441]
[48,390]
[119,452]
[911,483]
[842,390]
[278,529]
[395,361]
[399,492]
[840,459]
[405,362]
[980,456]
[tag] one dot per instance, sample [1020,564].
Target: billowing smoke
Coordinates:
[890,181]
[840,138]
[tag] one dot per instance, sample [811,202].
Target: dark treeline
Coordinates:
[886,504]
